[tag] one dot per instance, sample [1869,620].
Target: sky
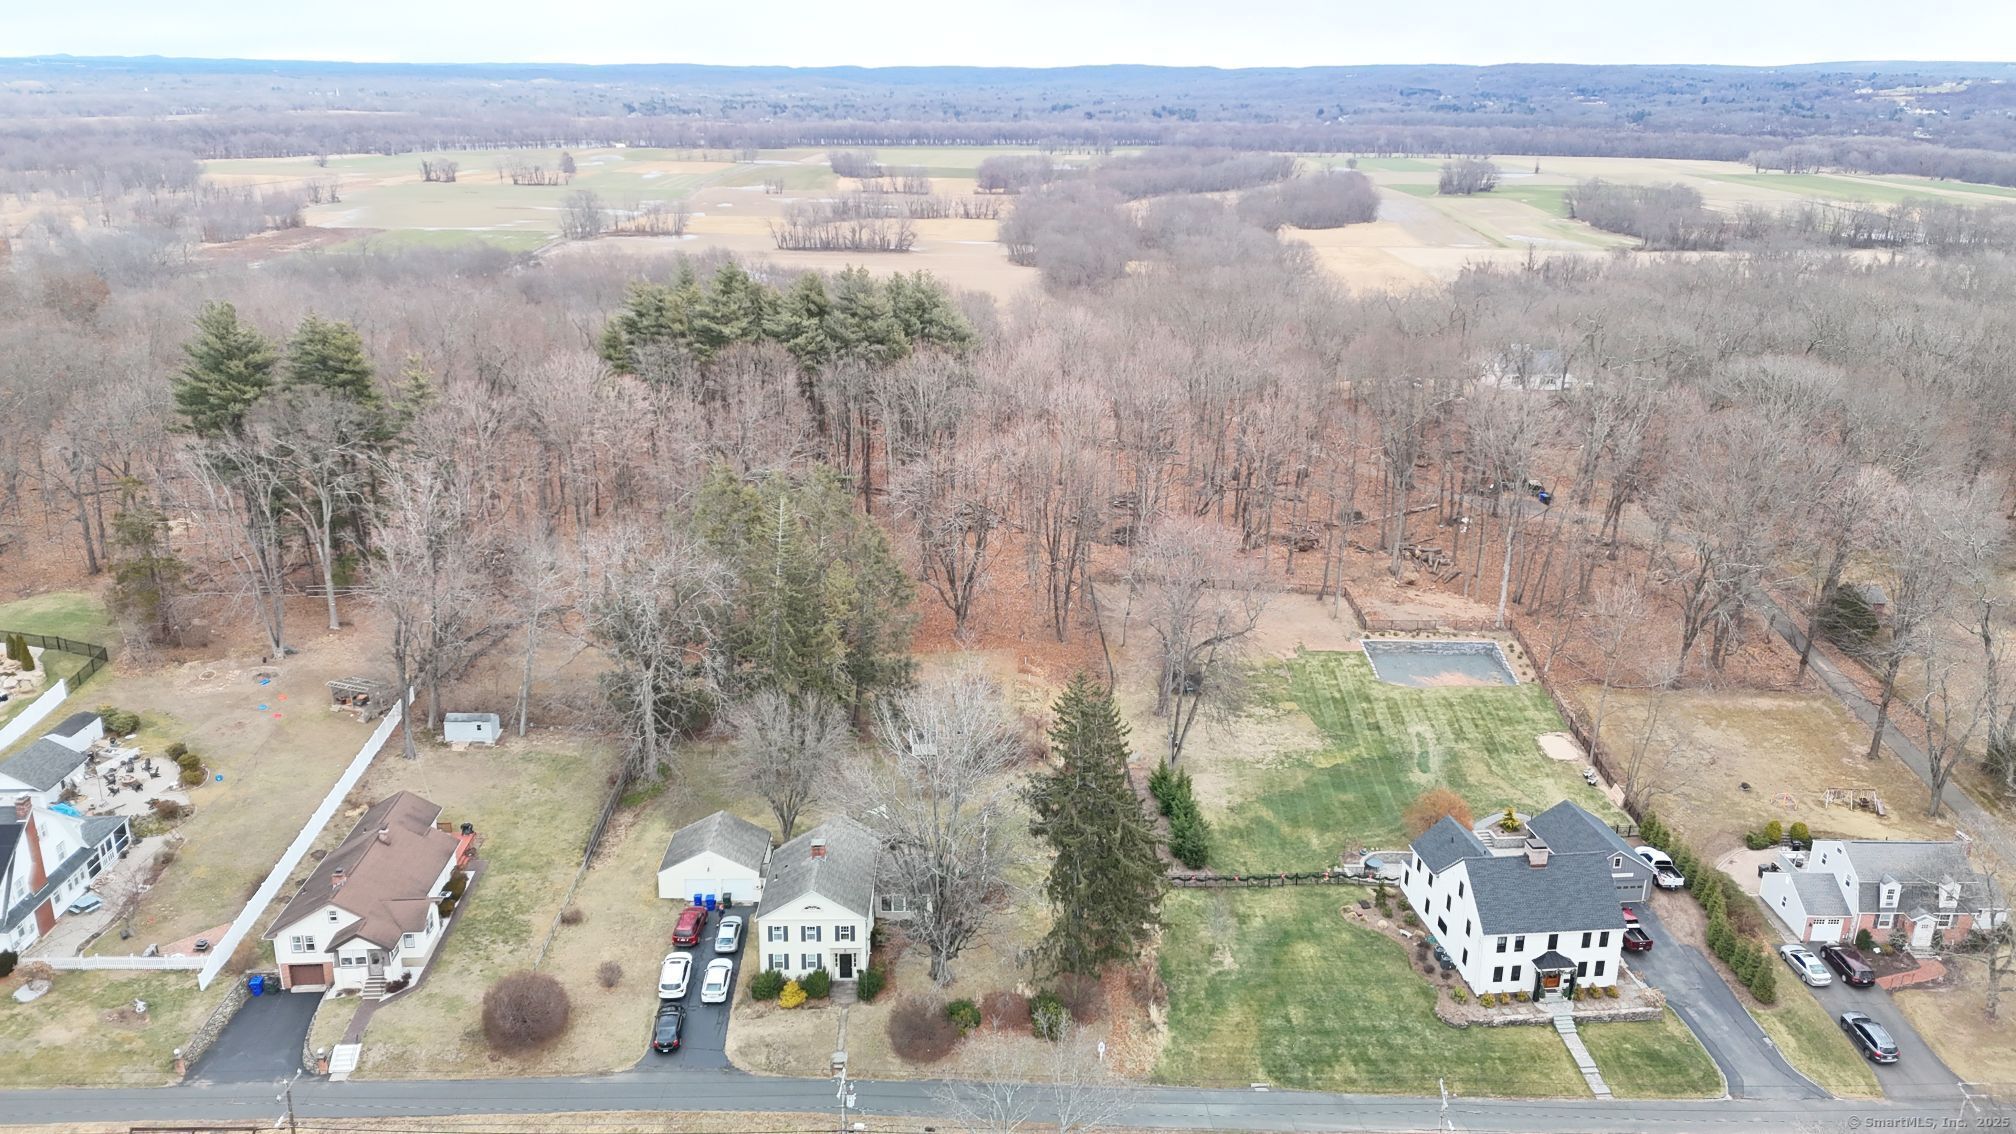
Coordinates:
[1033,33]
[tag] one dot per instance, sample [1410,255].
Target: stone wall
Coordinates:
[1533,1014]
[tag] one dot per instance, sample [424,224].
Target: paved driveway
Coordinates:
[262,1042]
[703,1046]
[1751,1062]
[1918,1073]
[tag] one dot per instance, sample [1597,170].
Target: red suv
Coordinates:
[692,920]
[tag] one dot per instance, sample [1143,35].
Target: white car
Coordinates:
[720,978]
[674,975]
[1664,874]
[1806,965]
[729,935]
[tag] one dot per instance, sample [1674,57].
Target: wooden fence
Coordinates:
[595,834]
[1248,881]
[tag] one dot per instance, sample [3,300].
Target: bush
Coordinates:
[8,959]
[1460,996]
[791,995]
[1047,1016]
[1005,1011]
[1509,821]
[166,809]
[458,884]
[921,1032]
[1774,833]
[1189,835]
[609,974]
[176,751]
[188,760]
[766,985]
[1764,984]
[523,1011]
[1162,785]
[119,722]
[869,984]
[445,906]
[190,777]
[964,1013]
[573,915]
[818,984]
[1523,997]
[1864,939]
[1802,836]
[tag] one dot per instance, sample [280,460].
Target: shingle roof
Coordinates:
[1571,892]
[98,828]
[1446,843]
[74,724]
[10,837]
[1553,959]
[386,883]
[1568,828]
[845,875]
[57,877]
[1919,866]
[1820,894]
[730,836]
[42,765]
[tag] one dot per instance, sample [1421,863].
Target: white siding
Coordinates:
[812,938]
[709,873]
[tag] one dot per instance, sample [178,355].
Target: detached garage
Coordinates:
[720,857]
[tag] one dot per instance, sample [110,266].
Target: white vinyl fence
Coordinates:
[298,848]
[143,964]
[37,709]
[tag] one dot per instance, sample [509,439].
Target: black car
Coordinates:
[1847,961]
[665,1032]
[1869,1037]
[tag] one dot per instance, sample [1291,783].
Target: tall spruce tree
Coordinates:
[329,355]
[1106,884]
[230,368]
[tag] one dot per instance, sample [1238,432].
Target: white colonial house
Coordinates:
[55,763]
[369,915]
[818,906]
[720,857]
[48,857]
[1917,890]
[1516,914]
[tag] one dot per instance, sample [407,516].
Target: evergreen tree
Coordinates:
[230,368]
[27,655]
[734,308]
[17,650]
[862,324]
[329,355]
[145,572]
[654,317]
[799,322]
[1764,984]
[1106,883]
[926,313]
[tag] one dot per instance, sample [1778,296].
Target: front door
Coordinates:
[1921,933]
[1550,981]
[374,963]
[846,966]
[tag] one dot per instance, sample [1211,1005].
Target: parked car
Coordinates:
[86,902]
[729,936]
[1636,940]
[1806,965]
[1869,1037]
[1847,960]
[1664,873]
[720,979]
[686,931]
[673,976]
[665,1029]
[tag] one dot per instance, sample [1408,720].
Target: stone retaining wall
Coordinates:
[1532,1014]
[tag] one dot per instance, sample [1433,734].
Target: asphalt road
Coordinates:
[262,1042]
[1748,1059]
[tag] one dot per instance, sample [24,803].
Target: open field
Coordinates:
[1949,1018]
[1271,986]
[1659,1059]
[85,1033]
[1788,747]
[1330,758]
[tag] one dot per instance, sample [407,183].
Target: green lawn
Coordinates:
[1814,1045]
[1273,986]
[67,614]
[1830,188]
[1381,746]
[1549,199]
[82,1032]
[1657,1060]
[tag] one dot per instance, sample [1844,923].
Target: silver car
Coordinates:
[719,980]
[729,936]
[1806,965]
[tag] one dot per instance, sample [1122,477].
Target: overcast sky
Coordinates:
[1037,33]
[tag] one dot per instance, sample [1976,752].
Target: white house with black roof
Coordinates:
[48,857]
[1521,915]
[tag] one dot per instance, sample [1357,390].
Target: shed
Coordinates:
[1872,596]
[78,731]
[471,728]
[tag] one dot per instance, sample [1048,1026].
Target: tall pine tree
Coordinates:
[329,355]
[1106,884]
[230,368]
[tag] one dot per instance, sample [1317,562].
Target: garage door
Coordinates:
[1824,930]
[305,976]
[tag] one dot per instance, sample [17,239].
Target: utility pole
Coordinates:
[286,1095]
[846,1097]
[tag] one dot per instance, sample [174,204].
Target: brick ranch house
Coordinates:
[1916,889]
[369,914]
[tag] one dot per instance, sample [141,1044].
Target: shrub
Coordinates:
[791,995]
[964,1013]
[188,760]
[1864,939]
[921,1032]
[1509,821]
[458,884]
[1610,990]
[118,722]
[1047,1016]
[1461,997]
[1774,833]
[818,984]
[869,984]
[1802,836]
[166,809]
[8,959]
[1764,984]
[190,777]
[1411,918]
[176,751]
[165,857]
[1005,1010]
[573,915]
[1523,996]
[1082,996]
[1189,835]
[445,906]
[1162,785]
[766,985]
[524,1010]
[1430,806]
[609,974]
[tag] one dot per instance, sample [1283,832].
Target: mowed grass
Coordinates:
[1953,1021]
[83,1033]
[1658,1059]
[1381,746]
[1272,986]
[1806,1033]
[1549,199]
[66,614]
[1829,188]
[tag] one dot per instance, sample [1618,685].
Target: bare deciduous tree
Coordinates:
[653,605]
[1007,1087]
[1202,601]
[786,746]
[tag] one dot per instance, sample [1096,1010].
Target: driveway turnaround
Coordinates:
[1695,990]
[262,1042]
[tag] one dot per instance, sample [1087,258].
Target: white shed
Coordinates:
[721,856]
[471,728]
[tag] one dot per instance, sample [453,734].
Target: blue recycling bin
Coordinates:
[710,903]
[256,983]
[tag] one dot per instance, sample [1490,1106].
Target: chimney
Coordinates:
[23,806]
[385,835]
[1536,853]
[336,880]
[818,848]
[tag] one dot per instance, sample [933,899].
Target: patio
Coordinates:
[126,781]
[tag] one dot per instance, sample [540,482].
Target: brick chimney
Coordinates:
[23,806]
[1536,853]
[818,848]
[24,813]
[385,835]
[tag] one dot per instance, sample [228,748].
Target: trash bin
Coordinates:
[256,983]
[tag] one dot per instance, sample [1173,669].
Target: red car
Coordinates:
[1636,940]
[691,921]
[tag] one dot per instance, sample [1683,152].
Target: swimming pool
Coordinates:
[1438,664]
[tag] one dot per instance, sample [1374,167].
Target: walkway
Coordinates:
[1563,1012]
